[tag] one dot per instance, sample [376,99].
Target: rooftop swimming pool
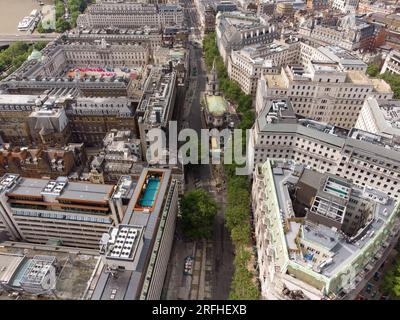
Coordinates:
[149,191]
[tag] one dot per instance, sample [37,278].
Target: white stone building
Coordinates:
[130,15]
[323,91]
[364,158]
[380,117]
[304,254]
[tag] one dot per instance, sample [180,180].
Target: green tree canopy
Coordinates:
[391,280]
[198,212]
[237,213]
[373,70]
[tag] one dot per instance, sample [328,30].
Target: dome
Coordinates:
[35,55]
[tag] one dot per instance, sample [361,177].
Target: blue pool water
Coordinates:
[150,193]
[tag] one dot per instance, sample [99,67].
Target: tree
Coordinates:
[60,9]
[39,45]
[237,212]
[391,281]
[394,81]
[198,212]
[373,70]
[243,287]
[62,25]
[13,57]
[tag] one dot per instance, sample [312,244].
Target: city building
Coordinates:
[234,30]
[392,63]
[350,32]
[209,19]
[32,276]
[121,155]
[157,103]
[381,117]
[266,7]
[317,5]
[345,6]
[284,8]
[364,158]
[32,272]
[367,6]
[91,118]
[324,91]
[58,57]
[304,249]
[224,6]
[42,161]
[215,106]
[130,15]
[247,65]
[92,68]
[59,211]
[206,12]
[48,124]
[14,110]
[136,252]
[151,38]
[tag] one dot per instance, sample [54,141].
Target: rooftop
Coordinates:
[358,77]
[275,81]
[72,279]
[19,99]
[129,283]
[381,86]
[216,105]
[125,188]
[63,189]
[386,114]
[123,242]
[341,248]
[157,101]
[269,120]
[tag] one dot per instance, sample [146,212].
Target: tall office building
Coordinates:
[136,252]
[364,158]
[56,211]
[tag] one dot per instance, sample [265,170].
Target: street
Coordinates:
[213,259]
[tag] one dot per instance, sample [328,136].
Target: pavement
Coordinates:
[213,264]
[374,283]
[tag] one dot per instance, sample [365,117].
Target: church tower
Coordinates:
[213,89]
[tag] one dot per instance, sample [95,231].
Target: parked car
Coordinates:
[369,288]
[188,267]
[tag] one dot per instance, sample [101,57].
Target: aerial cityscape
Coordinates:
[200,150]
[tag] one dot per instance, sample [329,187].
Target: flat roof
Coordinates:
[275,81]
[72,190]
[127,286]
[19,99]
[381,86]
[76,274]
[87,191]
[386,114]
[358,77]
[9,263]
[323,235]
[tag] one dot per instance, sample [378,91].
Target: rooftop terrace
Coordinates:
[341,248]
